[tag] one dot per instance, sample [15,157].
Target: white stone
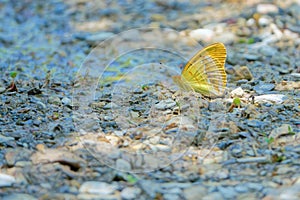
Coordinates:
[273,98]
[238,92]
[6,180]
[266,8]
[96,187]
[130,193]
[202,34]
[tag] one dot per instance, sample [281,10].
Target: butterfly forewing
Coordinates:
[205,71]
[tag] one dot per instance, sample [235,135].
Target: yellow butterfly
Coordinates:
[204,72]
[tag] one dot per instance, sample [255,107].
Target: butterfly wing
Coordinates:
[205,72]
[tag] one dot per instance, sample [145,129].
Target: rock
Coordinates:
[54,100]
[251,57]
[266,8]
[250,111]
[130,193]
[296,75]
[110,105]
[263,21]
[98,37]
[263,88]
[238,92]
[165,104]
[205,35]
[149,187]
[216,106]
[267,50]
[255,123]
[96,187]
[278,60]
[6,180]
[272,98]
[227,192]
[284,129]
[58,155]
[194,192]
[226,38]
[4,139]
[123,165]
[66,101]
[19,196]
[242,73]
[14,155]
[287,85]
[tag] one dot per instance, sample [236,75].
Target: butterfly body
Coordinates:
[205,72]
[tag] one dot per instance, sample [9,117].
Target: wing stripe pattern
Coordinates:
[205,71]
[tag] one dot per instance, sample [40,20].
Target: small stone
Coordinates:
[99,188]
[130,193]
[19,196]
[287,85]
[226,38]
[194,192]
[263,21]
[284,129]
[242,73]
[66,101]
[272,98]
[110,105]
[241,188]
[251,57]
[4,139]
[267,50]
[227,192]
[96,38]
[205,35]
[54,100]
[263,88]
[123,165]
[165,104]
[6,180]
[255,123]
[216,106]
[266,8]
[238,92]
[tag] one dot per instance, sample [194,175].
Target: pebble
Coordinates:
[205,35]
[242,72]
[110,105]
[266,8]
[216,106]
[284,129]
[130,193]
[263,88]
[54,100]
[4,139]
[272,98]
[19,196]
[6,180]
[267,50]
[99,37]
[165,104]
[194,192]
[149,187]
[238,92]
[97,187]
[66,101]
[227,192]
[123,165]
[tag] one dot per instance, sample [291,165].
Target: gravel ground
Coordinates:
[88,108]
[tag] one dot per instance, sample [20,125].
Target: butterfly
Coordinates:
[205,72]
